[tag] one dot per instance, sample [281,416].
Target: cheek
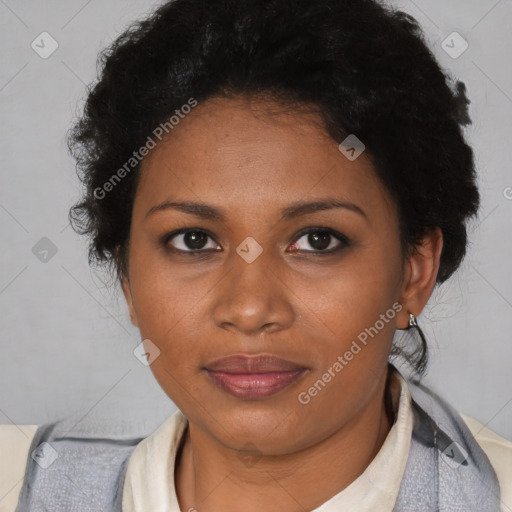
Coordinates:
[165,305]
[356,312]
[167,315]
[353,295]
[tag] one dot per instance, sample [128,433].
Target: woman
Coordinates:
[278,186]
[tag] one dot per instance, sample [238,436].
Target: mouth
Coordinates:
[253,377]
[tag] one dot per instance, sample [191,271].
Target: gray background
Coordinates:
[66,339]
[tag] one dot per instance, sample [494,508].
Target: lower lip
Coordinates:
[254,385]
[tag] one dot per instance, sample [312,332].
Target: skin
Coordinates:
[252,159]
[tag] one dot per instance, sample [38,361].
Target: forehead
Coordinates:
[254,154]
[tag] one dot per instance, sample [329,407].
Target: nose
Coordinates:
[253,299]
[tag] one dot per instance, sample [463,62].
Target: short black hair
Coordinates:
[365,66]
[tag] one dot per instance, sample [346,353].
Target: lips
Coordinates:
[252,364]
[253,377]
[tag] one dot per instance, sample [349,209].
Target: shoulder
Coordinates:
[95,451]
[15,441]
[496,449]
[499,451]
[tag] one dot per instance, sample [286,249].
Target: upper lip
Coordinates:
[261,363]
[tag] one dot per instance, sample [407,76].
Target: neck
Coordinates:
[209,476]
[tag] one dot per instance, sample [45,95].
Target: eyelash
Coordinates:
[344,241]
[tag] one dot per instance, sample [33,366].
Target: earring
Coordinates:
[414,324]
[417,359]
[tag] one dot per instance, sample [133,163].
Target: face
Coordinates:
[250,269]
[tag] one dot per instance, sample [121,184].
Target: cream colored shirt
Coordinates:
[149,482]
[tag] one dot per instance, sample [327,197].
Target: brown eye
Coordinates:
[190,241]
[321,241]
[195,239]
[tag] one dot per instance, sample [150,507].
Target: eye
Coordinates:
[190,240]
[322,240]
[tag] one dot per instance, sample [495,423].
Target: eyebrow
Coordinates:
[296,209]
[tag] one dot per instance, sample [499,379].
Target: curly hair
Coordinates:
[364,66]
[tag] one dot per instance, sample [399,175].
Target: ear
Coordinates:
[420,275]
